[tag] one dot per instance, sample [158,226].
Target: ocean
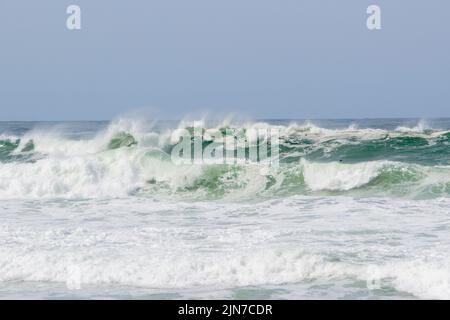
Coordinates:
[356,209]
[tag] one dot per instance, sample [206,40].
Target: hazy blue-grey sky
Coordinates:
[262,58]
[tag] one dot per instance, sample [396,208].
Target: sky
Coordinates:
[279,59]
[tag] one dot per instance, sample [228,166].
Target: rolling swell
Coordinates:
[124,160]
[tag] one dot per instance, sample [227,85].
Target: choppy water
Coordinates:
[356,209]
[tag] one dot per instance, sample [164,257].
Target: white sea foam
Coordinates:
[289,244]
[178,270]
[338,176]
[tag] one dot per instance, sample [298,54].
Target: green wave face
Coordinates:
[120,140]
[411,149]
[6,147]
[387,180]
[10,150]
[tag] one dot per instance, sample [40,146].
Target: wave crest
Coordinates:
[132,158]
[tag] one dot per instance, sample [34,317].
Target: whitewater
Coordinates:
[356,209]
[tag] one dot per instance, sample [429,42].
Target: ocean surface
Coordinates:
[356,209]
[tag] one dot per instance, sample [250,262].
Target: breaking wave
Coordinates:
[132,158]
